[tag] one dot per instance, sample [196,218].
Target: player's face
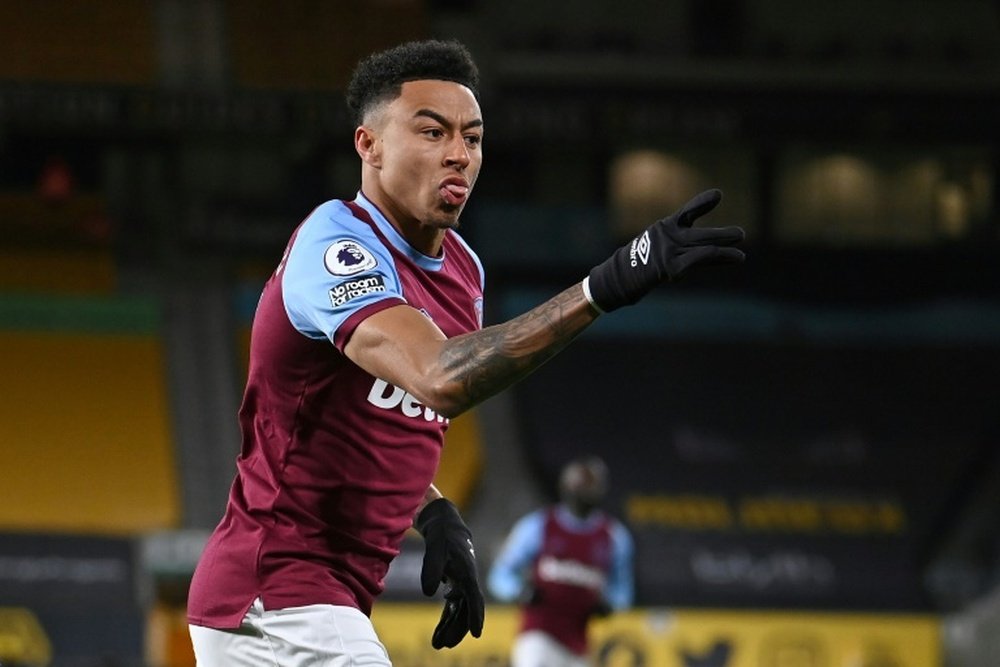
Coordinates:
[583,487]
[430,142]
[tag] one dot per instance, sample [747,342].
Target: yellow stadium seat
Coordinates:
[85,438]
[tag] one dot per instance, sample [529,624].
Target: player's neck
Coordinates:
[422,237]
[425,238]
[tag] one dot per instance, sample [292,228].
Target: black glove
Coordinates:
[663,252]
[449,557]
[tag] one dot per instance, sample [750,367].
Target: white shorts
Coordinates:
[318,635]
[535,648]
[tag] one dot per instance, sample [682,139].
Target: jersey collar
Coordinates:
[396,239]
[575,523]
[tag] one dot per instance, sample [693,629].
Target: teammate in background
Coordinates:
[366,340]
[565,565]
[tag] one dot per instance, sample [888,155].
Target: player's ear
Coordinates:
[368,146]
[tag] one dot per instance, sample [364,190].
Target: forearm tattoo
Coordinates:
[487,361]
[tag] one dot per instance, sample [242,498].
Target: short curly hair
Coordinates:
[380,76]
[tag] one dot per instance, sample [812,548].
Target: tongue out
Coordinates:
[454,194]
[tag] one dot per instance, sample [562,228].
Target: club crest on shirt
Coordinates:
[346,257]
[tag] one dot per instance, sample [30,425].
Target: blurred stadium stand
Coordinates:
[103,42]
[814,431]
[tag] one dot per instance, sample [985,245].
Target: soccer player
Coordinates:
[565,565]
[366,340]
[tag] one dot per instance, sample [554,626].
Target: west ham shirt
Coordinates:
[570,564]
[334,461]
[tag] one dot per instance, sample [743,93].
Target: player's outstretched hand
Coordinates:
[664,252]
[449,557]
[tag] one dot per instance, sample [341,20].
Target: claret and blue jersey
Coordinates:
[524,544]
[334,461]
[361,261]
[570,565]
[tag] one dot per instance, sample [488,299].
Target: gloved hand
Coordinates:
[449,557]
[663,252]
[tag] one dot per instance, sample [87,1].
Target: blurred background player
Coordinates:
[565,564]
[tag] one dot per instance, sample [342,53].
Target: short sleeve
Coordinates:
[337,270]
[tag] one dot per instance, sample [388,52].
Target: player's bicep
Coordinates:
[399,345]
